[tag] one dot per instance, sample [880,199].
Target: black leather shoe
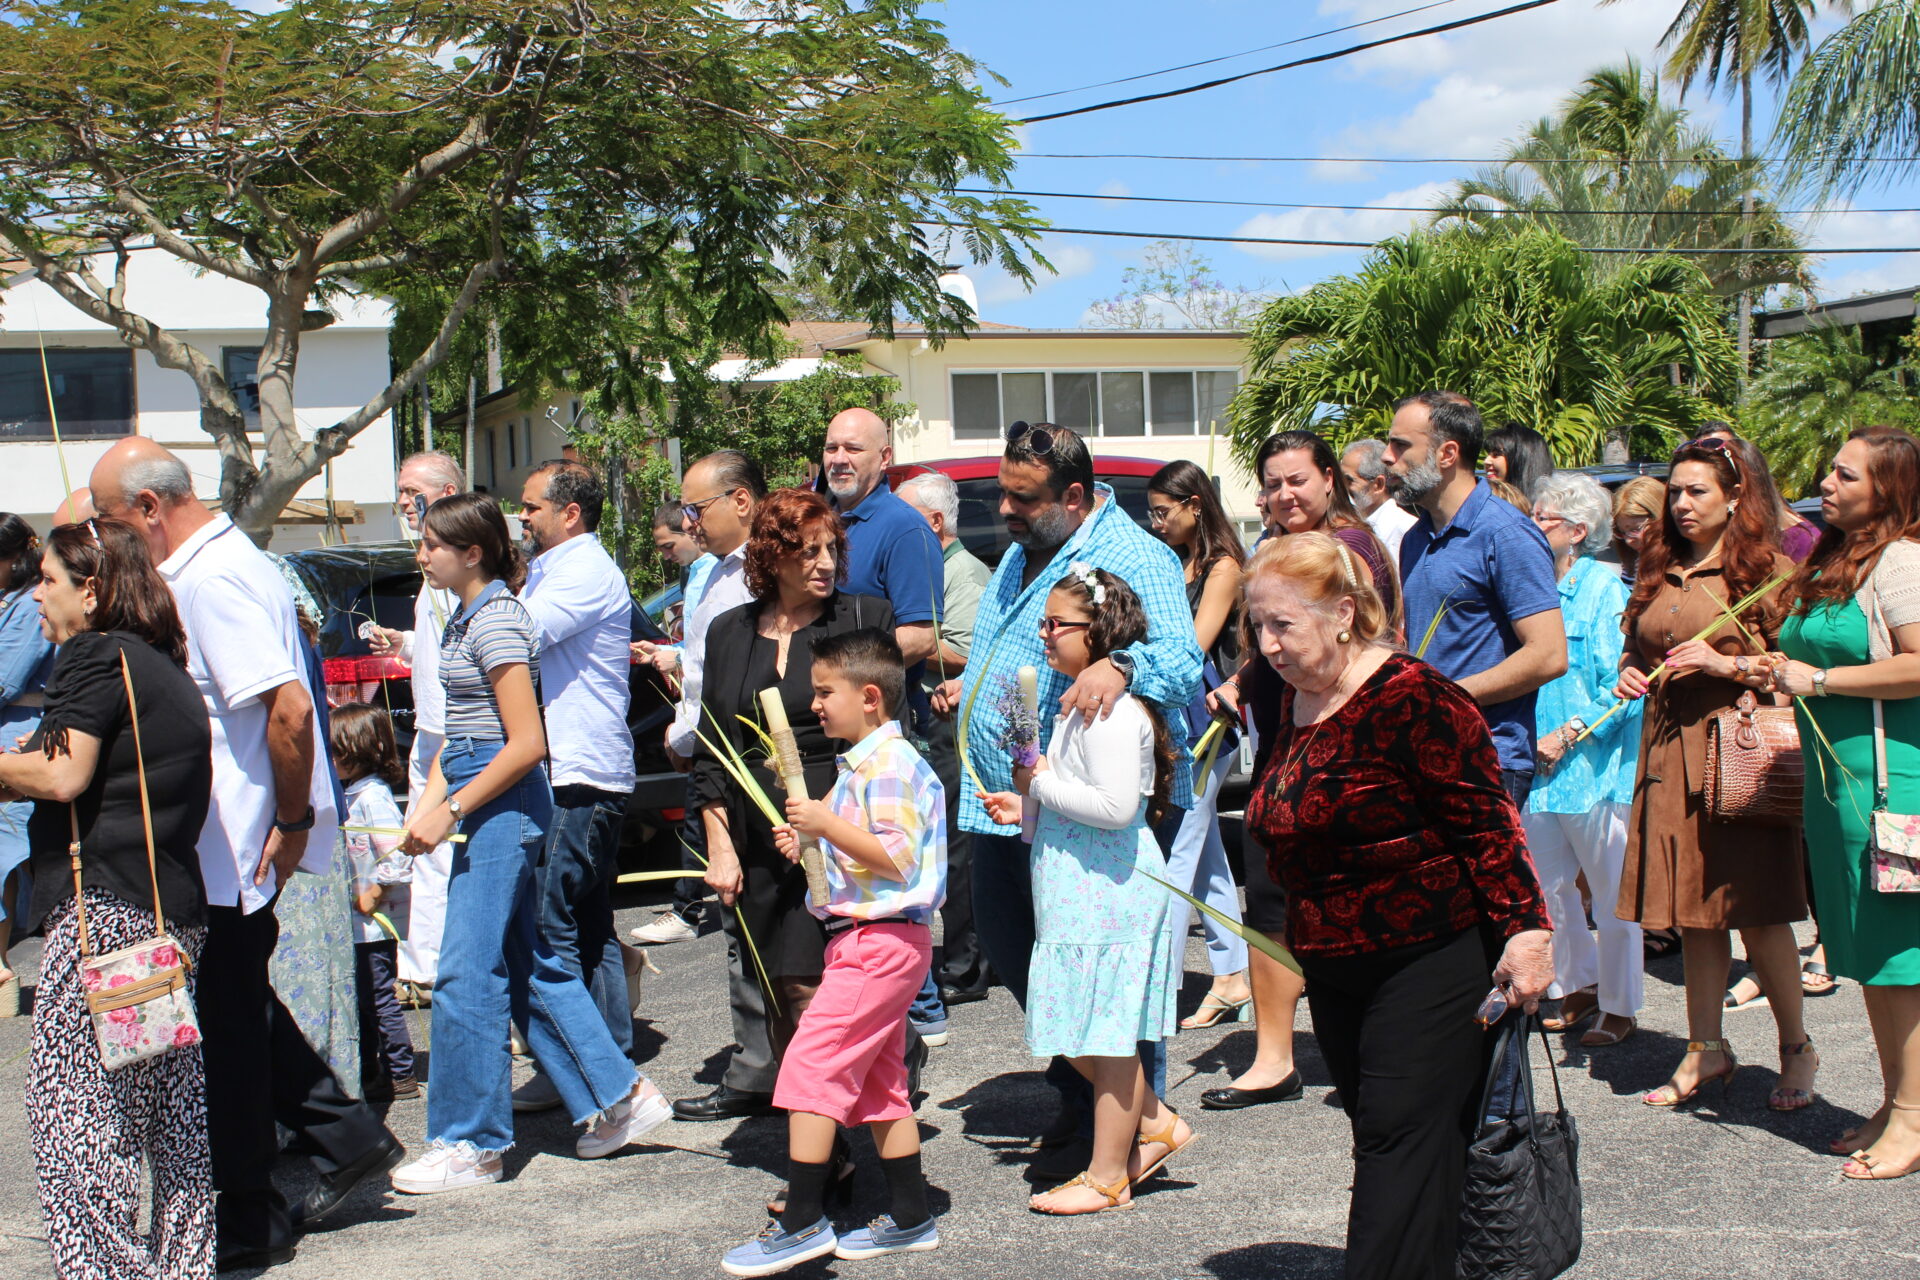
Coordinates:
[328,1194]
[951,996]
[724,1103]
[251,1259]
[1232,1099]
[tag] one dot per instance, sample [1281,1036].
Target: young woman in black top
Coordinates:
[100,601]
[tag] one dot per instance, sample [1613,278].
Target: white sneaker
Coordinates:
[625,1123]
[537,1094]
[443,1168]
[668,928]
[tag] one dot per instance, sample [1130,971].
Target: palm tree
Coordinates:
[1815,388]
[1620,167]
[1858,95]
[1525,323]
[1734,40]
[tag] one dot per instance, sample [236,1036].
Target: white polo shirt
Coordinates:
[420,650]
[243,640]
[582,615]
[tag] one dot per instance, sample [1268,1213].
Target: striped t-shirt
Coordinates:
[497,632]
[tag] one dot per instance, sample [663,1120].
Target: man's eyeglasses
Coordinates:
[691,511]
[1037,440]
[1051,626]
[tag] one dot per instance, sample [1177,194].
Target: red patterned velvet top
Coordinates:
[1386,823]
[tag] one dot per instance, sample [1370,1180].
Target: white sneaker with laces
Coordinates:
[625,1122]
[537,1094]
[668,928]
[445,1168]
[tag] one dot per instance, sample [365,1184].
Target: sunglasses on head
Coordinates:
[1036,440]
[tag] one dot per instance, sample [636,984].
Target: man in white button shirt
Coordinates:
[424,479]
[582,616]
[272,811]
[1365,469]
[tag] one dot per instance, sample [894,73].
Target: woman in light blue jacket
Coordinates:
[1576,817]
[26,657]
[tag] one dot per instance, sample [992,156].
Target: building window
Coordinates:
[513,447]
[240,366]
[92,393]
[1114,403]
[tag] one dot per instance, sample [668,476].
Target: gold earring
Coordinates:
[1344,637]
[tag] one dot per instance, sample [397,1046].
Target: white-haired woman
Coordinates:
[1577,813]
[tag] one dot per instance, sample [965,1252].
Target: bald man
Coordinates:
[75,507]
[273,809]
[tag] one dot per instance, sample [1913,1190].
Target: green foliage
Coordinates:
[1814,389]
[1523,322]
[781,426]
[1620,167]
[624,189]
[1731,41]
[1858,95]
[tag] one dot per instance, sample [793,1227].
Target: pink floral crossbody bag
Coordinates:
[137,996]
[1893,843]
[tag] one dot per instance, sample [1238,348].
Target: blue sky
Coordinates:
[1463,94]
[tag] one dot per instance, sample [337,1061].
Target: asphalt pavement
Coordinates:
[1724,1190]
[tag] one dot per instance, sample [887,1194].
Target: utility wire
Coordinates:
[1501,160]
[1451,210]
[1301,62]
[1228,57]
[1369,244]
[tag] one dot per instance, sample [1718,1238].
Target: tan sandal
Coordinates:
[1112,1193]
[1872,1170]
[1599,1037]
[1668,1095]
[1575,1008]
[1165,1139]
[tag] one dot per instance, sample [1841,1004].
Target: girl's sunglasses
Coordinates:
[1051,626]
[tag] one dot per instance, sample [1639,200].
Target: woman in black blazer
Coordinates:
[796,557]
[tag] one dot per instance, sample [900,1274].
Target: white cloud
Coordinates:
[1370,225]
[1115,187]
[1846,280]
[1841,230]
[997,287]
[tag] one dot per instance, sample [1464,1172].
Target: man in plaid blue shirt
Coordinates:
[1056,515]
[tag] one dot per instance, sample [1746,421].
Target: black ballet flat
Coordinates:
[1232,1099]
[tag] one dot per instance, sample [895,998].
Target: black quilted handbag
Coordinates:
[1520,1218]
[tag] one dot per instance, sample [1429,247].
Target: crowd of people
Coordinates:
[1484,698]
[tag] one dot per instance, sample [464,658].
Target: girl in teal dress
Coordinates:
[1854,634]
[1104,976]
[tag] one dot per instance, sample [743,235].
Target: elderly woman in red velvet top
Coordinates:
[1409,891]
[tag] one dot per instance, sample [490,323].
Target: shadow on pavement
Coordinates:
[1280,1260]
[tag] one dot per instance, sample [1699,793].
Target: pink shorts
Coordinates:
[847,1060]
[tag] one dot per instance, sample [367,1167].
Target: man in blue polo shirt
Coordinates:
[1481,567]
[891,552]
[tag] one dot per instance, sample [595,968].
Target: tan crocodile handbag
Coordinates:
[1755,771]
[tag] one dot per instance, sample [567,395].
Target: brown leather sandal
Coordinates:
[1785,1099]
[1164,1138]
[1112,1193]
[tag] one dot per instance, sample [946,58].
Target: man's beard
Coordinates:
[1044,532]
[846,489]
[1415,484]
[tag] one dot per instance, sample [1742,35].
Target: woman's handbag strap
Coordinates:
[1879,715]
[146,808]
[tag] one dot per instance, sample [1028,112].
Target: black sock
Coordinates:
[908,1188]
[806,1194]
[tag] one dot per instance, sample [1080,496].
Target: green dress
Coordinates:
[1870,937]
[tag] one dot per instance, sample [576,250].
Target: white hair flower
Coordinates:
[1084,571]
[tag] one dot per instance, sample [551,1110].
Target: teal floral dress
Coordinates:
[1870,937]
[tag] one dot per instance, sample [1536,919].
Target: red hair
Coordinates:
[1840,560]
[782,526]
[1747,549]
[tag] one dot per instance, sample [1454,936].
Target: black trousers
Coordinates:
[386,1045]
[1396,1029]
[962,963]
[261,1069]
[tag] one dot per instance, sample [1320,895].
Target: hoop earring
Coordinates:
[1344,637]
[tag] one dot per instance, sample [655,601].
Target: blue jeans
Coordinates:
[494,965]
[927,1011]
[573,896]
[1197,862]
[1003,876]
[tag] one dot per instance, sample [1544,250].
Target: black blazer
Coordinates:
[728,693]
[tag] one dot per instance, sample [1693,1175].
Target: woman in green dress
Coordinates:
[1854,636]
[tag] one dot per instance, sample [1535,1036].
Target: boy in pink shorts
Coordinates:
[883,838]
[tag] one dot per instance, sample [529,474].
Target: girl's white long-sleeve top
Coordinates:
[1099,772]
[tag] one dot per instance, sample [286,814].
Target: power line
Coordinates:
[1301,62]
[1502,160]
[1369,244]
[1228,57]
[1408,208]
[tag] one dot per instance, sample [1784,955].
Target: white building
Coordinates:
[103,391]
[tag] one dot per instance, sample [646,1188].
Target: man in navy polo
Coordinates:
[1481,567]
[892,553]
